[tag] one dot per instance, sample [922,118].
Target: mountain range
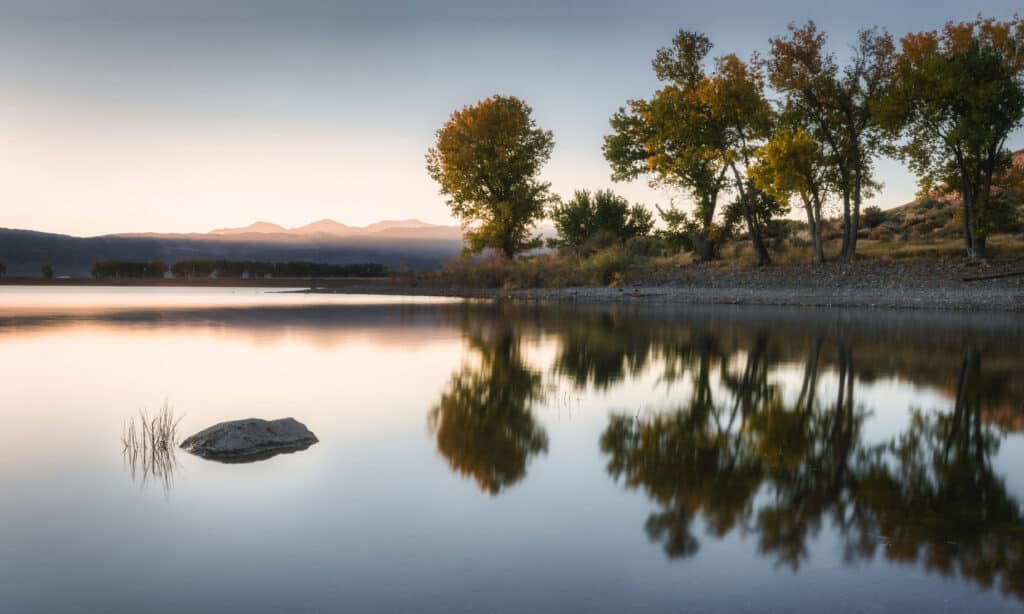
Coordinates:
[327,227]
[394,243]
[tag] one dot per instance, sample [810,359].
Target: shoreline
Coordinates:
[985,300]
[918,285]
[878,285]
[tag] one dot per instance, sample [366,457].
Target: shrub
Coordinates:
[872,217]
[600,218]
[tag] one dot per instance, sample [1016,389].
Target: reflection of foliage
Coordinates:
[752,461]
[941,504]
[600,352]
[483,422]
[689,461]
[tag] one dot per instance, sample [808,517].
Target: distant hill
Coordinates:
[395,244]
[263,227]
[405,228]
[938,215]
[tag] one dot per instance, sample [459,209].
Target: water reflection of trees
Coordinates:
[769,440]
[740,457]
[483,423]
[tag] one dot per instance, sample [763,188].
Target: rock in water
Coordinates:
[252,439]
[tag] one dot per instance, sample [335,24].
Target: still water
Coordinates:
[476,457]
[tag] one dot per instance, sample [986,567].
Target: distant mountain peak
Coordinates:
[255,227]
[330,227]
[324,226]
[389,224]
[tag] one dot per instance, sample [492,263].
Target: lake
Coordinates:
[481,457]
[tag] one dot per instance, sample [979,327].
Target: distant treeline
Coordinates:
[115,269]
[106,269]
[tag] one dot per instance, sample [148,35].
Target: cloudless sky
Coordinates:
[183,116]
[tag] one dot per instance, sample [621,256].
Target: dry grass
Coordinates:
[621,266]
[149,444]
[557,270]
[1000,247]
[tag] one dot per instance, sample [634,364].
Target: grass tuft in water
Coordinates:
[149,443]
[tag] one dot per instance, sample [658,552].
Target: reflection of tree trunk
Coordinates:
[753,384]
[808,391]
[965,423]
[842,429]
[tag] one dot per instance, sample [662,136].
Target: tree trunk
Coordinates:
[706,249]
[845,251]
[979,251]
[508,249]
[967,195]
[855,223]
[763,259]
[814,226]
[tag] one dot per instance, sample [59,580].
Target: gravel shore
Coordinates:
[887,285]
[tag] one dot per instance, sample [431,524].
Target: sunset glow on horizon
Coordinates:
[145,117]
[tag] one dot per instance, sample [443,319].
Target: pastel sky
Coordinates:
[148,115]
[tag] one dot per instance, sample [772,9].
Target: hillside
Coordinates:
[25,251]
[938,216]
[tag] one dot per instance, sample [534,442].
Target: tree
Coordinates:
[601,216]
[487,160]
[836,106]
[737,98]
[793,164]
[671,139]
[3,270]
[46,271]
[698,133]
[956,95]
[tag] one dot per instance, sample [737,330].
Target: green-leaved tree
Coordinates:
[487,160]
[601,216]
[793,165]
[698,133]
[955,97]
[836,105]
[672,139]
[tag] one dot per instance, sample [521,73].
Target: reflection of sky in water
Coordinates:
[372,518]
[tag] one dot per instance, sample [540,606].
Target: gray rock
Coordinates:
[252,439]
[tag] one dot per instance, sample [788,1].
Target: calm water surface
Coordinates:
[486,458]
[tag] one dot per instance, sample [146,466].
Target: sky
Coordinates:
[147,115]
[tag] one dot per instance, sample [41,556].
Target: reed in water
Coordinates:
[149,443]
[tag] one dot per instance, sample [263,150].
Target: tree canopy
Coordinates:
[697,134]
[487,160]
[955,97]
[601,216]
[836,105]
[793,164]
[671,138]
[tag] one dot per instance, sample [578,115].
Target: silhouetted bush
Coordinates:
[115,269]
[237,269]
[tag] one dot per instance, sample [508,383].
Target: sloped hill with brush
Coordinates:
[939,216]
